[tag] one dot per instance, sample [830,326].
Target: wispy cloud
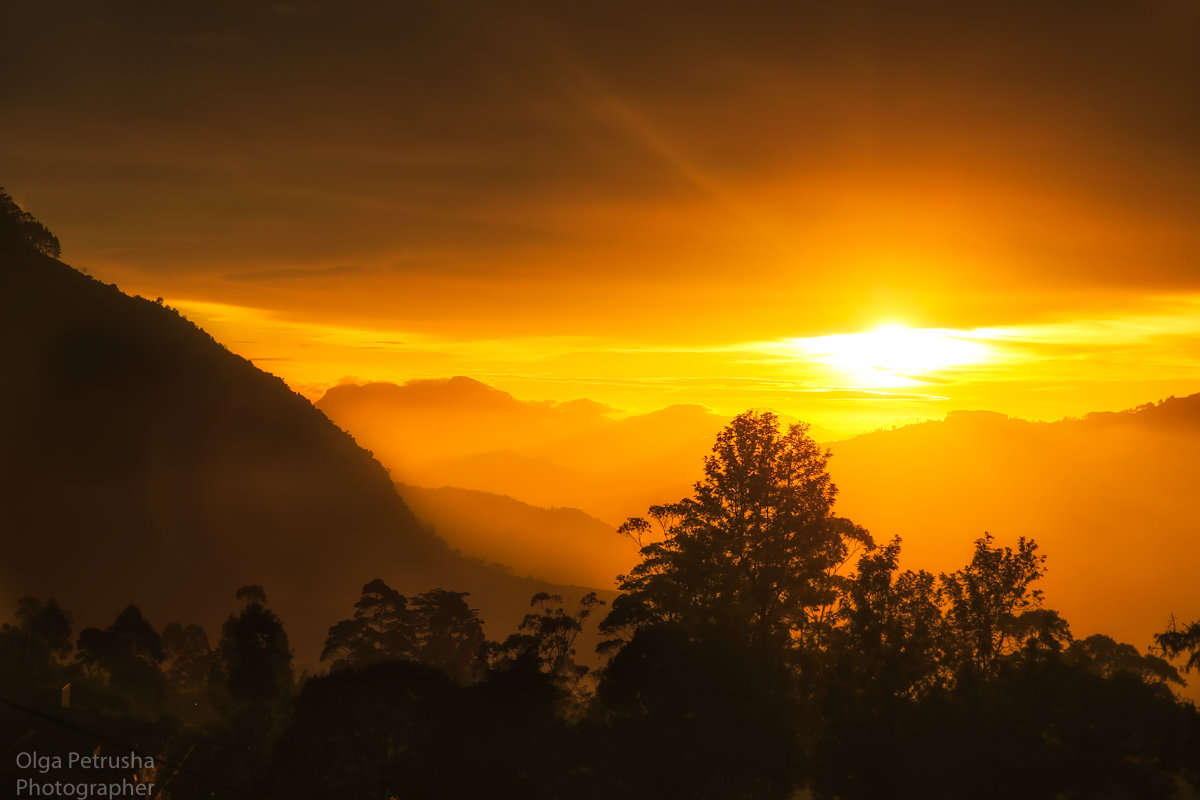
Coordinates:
[844,380]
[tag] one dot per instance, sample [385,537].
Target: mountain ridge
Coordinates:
[1106,496]
[141,461]
[558,543]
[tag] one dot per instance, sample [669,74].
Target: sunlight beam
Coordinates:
[894,355]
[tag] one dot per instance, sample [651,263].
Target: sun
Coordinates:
[895,355]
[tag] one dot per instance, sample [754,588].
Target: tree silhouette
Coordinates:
[967,686]
[756,548]
[450,635]
[369,731]
[993,609]
[696,713]
[739,582]
[254,593]
[189,662]
[128,653]
[881,665]
[19,226]
[254,653]
[255,676]
[34,649]
[437,628]
[1186,641]
[41,637]
[1109,658]
[890,624]
[547,637]
[383,628]
[398,727]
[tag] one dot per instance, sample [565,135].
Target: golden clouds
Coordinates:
[644,206]
[844,381]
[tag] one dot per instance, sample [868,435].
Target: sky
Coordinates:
[857,213]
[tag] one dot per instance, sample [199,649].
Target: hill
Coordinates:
[563,545]
[1110,498]
[142,462]
[463,433]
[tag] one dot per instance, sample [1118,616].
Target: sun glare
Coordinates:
[894,355]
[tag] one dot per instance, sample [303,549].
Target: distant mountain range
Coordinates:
[1110,498]
[563,545]
[463,433]
[142,462]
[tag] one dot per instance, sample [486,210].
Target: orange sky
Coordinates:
[640,205]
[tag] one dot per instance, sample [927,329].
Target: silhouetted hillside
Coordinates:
[453,394]
[1173,415]
[563,545]
[142,462]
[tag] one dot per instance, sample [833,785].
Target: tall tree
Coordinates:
[993,608]
[42,632]
[33,649]
[546,637]
[880,666]
[254,652]
[450,635]
[383,629]
[735,582]
[756,548]
[189,659]
[889,628]
[129,653]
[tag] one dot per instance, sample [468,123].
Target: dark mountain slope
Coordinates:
[142,462]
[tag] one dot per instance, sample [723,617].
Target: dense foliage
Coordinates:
[728,676]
